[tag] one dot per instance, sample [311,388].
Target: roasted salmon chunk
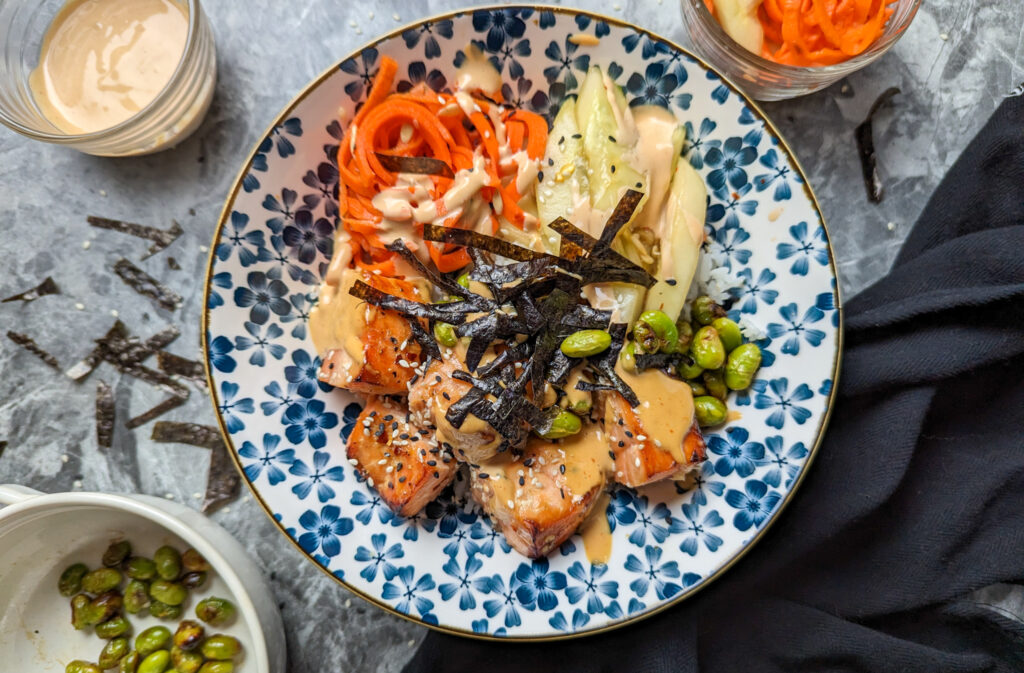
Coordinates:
[376,354]
[399,459]
[429,398]
[540,498]
[641,458]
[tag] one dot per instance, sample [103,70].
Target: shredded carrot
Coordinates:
[419,122]
[814,33]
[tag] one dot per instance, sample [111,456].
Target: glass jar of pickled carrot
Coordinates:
[761,75]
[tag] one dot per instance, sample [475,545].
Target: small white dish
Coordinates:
[42,534]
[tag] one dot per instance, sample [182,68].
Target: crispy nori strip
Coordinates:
[443,282]
[453,313]
[605,364]
[105,415]
[505,358]
[223,483]
[84,367]
[590,387]
[561,365]
[620,216]
[146,285]
[657,360]
[161,339]
[161,237]
[175,365]
[418,165]
[478,241]
[172,402]
[176,432]
[48,286]
[3,446]
[865,136]
[595,262]
[426,341]
[173,265]
[29,344]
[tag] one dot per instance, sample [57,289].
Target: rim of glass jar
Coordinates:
[889,38]
[194,15]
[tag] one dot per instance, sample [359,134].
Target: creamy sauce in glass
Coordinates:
[102,61]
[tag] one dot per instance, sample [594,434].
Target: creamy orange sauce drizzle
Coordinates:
[597,533]
[102,61]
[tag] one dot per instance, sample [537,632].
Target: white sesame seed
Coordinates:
[352,22]
[80,306]
[382,461]
[359,31]
[169,496]
[348,602]
[389,469]
[943,36]
[103,192]
[203,248]
[641,438]
[396,17]
[76,484]
[369,481]
[197,495]
[353,461]
[637,461]
[113,312]
[86,245]
[510,504]
[657,443]
[891,226]
[65,458]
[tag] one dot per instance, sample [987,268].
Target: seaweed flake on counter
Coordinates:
[865,135]
[175,365]
[146,285]
[172,402]
[47,287]
[29,344]
[223,483]
[161,237]
[105,415]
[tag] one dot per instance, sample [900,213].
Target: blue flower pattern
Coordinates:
[273,249]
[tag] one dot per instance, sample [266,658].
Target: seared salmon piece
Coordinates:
[638,460]
[378,354]
[429,399]
[402,461]
[539,499]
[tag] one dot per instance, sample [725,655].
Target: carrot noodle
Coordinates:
[819,32]
[419,122]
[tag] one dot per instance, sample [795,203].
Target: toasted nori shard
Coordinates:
[604,364]
[175,365]
[454,313]
[161,237]
[29,344]
[419,165]
[105,415]
[658,360]
[172,402]
[48,286]
[865,136]
[146,285]
[478,241]
[223,483]
[175,432]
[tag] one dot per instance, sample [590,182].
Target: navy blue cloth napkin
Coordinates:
[916,499]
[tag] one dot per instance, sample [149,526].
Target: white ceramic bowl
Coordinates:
[42,534]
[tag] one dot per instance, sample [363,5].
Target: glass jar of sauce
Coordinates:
[106,77]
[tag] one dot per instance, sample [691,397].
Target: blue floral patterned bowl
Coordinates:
[447,567]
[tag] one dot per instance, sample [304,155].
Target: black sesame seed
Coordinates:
[398,468]
[629,434]
[621,444]
[612,138]
[437,475]
[432,463]
[613,168]
[389,418]
[611,454]
[391,484]
[522,481]
[528,462]
[483,475]
[639,185]
[446,396]
[562,491]
[619,421]
[561,468]
[671,281]
[437,378]
[577,136]
[540,176]
[401,480]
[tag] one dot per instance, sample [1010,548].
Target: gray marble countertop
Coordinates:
[953,66]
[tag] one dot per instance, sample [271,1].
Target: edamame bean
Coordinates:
[565,424]
[221,647]
[194,580]
[104,606]
[116,553]
[709,411]
[114,627]
[463,280]
[186,662]
[742,366]
[101,580]
[217,667]
[706,310]
[129,663]
[80,612]
[70,582]
[707,349]
[445,334]
[714,381]
[168,562]
[215,611]
[586,342]
[627,357]
[156,662]
[140,568]
[189,635]
[697,388]
[136,596]
[162,610]
[688,369]
[685,338]
[112,653]
[79,666]
[170,593]
[655,331]
[193,562]
[152,639]
[729,333]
